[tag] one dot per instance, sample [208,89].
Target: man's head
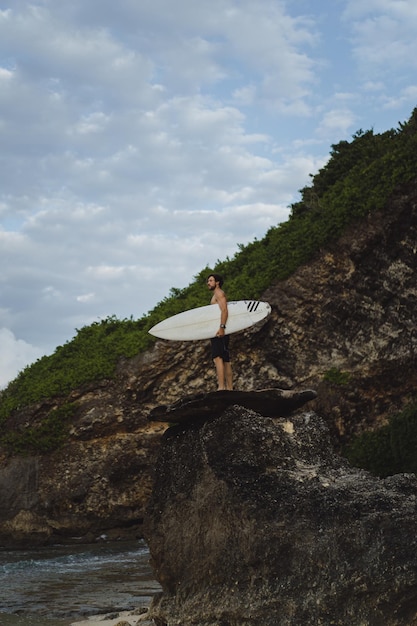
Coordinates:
[214,280]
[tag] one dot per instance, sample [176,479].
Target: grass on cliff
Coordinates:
[359,178]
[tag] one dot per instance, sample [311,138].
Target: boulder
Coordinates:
[257,521]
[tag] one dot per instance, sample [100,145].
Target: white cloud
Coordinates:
[86,297]
[404,9]
[336,123]
[407,96]
[383,34]
[15,355]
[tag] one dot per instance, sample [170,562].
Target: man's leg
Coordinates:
[219,365]
[229,375]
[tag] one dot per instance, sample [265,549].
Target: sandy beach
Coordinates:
[123,618]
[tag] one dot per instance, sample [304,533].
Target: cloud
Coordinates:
[383,34]
[406,96]
[337,122]
[15,355]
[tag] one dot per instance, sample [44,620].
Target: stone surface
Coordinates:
[257,521]
[268,402]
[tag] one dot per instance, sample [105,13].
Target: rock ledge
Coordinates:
[267,402]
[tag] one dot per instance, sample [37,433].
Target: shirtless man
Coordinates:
[220,343]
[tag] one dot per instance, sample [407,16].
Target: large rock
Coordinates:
[257,521]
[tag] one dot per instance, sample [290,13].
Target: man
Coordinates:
[220,343]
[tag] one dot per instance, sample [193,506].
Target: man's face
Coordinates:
[211,283]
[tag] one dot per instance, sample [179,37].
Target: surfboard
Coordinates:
[203,322]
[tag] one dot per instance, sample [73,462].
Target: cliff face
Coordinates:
[96,484]
[352,309]
[257,521]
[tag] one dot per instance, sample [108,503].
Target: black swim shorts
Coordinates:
[220,347]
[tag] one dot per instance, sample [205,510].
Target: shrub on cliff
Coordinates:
[390,449]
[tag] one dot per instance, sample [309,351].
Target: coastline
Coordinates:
[125,618]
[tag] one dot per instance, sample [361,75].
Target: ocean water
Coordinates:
[55,586]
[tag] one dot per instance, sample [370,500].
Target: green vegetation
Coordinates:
[390,449]
[336,376]
[49,435]
[92,355]
[359,178]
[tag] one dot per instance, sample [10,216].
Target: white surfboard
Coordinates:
[203,322]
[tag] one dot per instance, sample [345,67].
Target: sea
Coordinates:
[58,585]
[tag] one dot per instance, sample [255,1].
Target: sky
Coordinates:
[143,140]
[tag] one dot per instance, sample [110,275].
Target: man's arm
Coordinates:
[224,313]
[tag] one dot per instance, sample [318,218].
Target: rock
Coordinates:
[257,521]
[267,402]
[18,482]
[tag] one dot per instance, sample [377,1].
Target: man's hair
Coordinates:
[217,278]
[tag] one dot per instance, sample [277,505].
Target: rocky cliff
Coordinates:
[351,311]
[257,521]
